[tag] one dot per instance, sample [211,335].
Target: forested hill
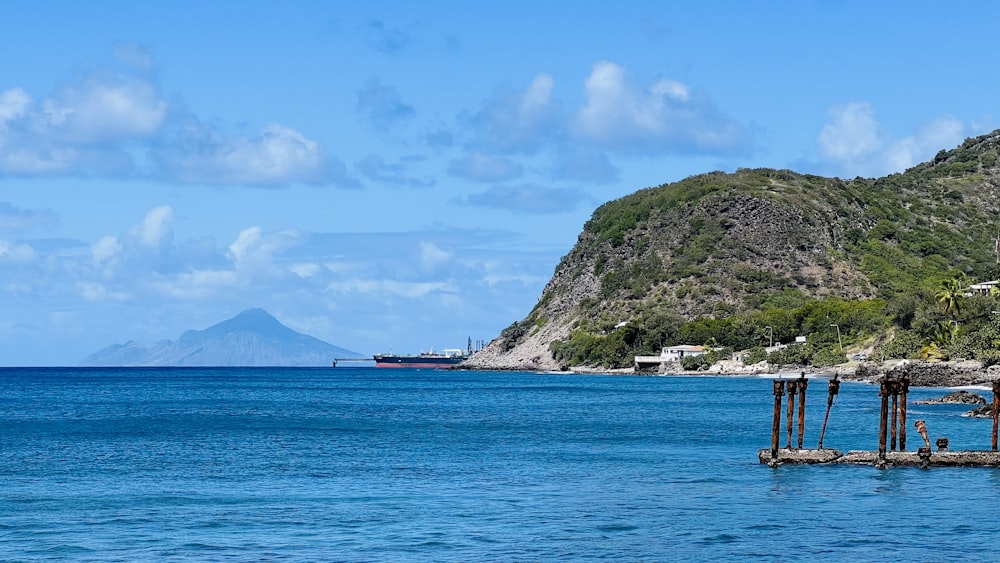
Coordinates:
[718,258]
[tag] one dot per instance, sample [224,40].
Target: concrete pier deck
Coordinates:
[940,458]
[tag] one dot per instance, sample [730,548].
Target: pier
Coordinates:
[891,450]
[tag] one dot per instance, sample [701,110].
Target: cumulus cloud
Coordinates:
[154,230]
[853,142]
[382,105]
[107,124]
[394,174]
[851,133]
[11,251]
[255,250]
[665,117]
[279,156]
[103,108]
[529,198]
[81,129]
[519,121]
[483,168]
[105,249]
[942,133]
[432,256]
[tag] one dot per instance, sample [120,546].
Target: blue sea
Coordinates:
[408,465]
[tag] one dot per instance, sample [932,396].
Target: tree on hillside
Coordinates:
[951,294]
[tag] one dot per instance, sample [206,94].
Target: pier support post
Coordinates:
[802,384]
[996,411]
[904,388]
[779,391]
[832,389]
[792,388]
[894,391]
[883,392]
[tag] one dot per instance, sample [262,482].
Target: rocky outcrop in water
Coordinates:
[962,397]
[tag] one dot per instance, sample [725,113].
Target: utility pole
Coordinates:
[770,336]
[839,341]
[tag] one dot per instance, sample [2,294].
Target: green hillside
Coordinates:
[738,260]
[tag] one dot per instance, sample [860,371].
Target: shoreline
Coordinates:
[968,374]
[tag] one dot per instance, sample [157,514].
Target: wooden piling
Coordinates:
[904,388]
[779,390]
[882,422]
[996,411]
[894,391]
[832,389]
[803,383]
[792,387]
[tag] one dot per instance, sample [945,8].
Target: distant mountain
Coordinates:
[252,338]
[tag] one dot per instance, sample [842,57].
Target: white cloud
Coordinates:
[853,142]
[943,133]
[279,156]
[105,249]
[197,285]
[16,252]
[432,256]
[103,108]
[14,104]
[411,290]
[666,117]
[852,133]
[519,121]
[114,125]
[254,250]
[306,270]
[155,228]
[97,292]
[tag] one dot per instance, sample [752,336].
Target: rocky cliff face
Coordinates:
[718,244]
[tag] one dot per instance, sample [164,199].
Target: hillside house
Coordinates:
[982,288]
[669,354]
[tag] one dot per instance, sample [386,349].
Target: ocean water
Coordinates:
[410,465]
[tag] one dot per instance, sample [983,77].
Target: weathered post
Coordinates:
[792,388]
[996,411]
[803,383]
[894,391]
[832,389]
[883,392]
[904,388]
[779,390]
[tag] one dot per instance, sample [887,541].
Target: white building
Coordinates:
[669,354]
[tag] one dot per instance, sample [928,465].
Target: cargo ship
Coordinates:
[446,358]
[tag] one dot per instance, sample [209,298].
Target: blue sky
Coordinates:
[406,175]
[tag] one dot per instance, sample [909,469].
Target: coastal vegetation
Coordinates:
[743,260]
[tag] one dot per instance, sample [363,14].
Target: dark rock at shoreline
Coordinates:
[985,411]
[957,398]
[927,374]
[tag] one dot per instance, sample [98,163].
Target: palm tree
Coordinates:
[945,333]
[950,294]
